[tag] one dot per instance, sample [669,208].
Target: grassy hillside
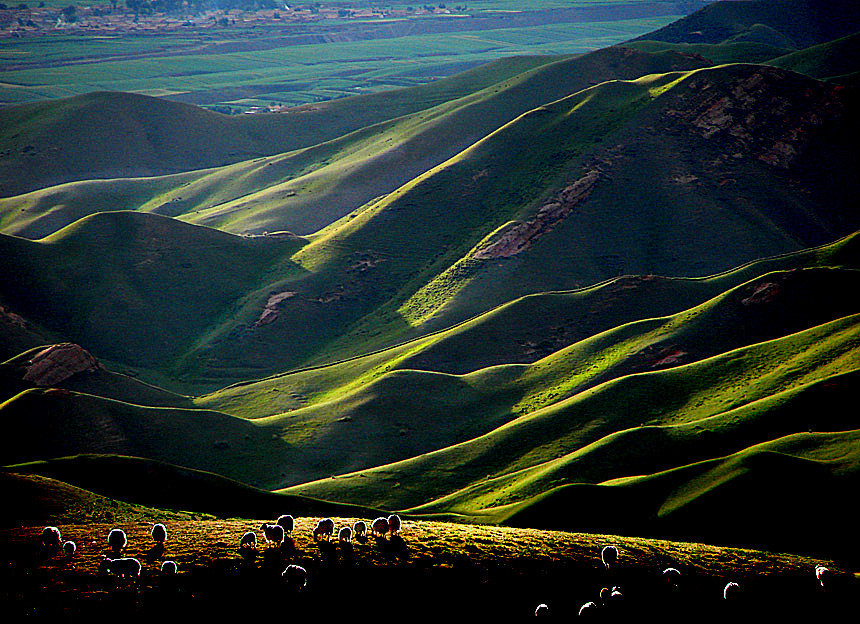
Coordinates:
[32,499]
[71,423]
[371,282]
[101,382]
[523,331]
[827,61]
[496,572]
[566,198]
[81,137]
[306,190]
[746,401]
[785,23]
[158,485]
[160,289]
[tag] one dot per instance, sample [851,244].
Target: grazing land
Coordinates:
[551,302]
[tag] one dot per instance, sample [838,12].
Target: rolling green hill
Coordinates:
[785,23]
[513,208]
[556,187]
[159,485]
[648,424]
[159,289]
[114,134]
[305,190]
[832,60]
[613,291]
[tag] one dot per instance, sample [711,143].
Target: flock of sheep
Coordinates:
[296,577]
[611,599]
[274,534]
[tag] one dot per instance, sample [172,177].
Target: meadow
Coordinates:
[432,568]
[272,70]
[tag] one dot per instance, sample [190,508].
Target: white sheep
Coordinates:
[324,529]
[159,533]
[609,556]
[295,575]
[274,533]
[824,575]
[731,591]
[359,529]
[672,576]
[379,527]
[51,537]
[542,610]
[169,568]
[69,547]
[589,609]
[124,567]
[249,540]
[344,536]
[117,540]
[287,522]
[394,524]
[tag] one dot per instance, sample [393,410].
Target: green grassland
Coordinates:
[306,190]
[827,61]
[611,292]
[366,282]
[786,23]
[280,72]
[520,332]
[483,572]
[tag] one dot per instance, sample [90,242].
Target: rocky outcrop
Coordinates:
[270,313]
[58,362]
[518,236]
[768,115]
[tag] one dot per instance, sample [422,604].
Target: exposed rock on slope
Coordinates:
[59,362]
[519,236]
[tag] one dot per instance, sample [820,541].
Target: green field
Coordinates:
[286,75]
[610,292]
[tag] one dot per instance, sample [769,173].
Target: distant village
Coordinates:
[22,20]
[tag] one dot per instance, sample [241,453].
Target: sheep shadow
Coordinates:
[288,548]
[154,553]
[394,548]
[347,553]
[328,550]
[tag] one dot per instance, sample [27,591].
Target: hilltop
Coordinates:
[784,23]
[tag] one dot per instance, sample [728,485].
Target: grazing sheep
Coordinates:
[117,540]
[359,529]
[824,575]
[169,568]
[324,529]
[731,591]
[51,537]
[249,540]
[394,524]
[542,610]
[295,575]
[589,609]
[159,533]
[69,547]
[287,523]
[672,576]
[124,567]
[344,536]
[379,527]
[274,533]
[609,556]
